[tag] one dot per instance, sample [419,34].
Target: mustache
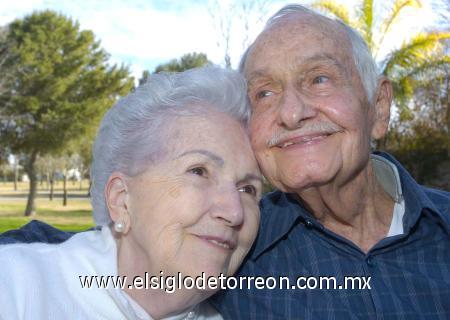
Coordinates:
[305,130]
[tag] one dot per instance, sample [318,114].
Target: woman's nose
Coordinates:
[228,206]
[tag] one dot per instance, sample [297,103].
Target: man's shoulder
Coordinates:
[437,199]
[35,231]
[277,206]
[440,199]
[271,199]
[279,213]
[437,195]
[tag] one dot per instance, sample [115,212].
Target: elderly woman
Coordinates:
[175,189]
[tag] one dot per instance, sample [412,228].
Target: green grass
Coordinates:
[76,216]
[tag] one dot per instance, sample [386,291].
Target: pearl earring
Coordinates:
[119,226]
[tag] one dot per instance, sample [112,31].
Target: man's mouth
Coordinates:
[307,139]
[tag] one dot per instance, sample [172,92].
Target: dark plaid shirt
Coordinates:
[35,231]
[410,273]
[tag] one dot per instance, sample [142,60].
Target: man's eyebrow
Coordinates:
[320,58]
[214,157]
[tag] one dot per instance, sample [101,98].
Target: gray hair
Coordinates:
[131,133]
[362,57]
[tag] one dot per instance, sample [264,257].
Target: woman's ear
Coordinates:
[382,108]
[116,194]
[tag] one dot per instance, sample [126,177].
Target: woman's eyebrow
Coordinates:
[214,157]
[252,176]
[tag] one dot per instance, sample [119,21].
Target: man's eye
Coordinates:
[263,94]
[248,189]
[200,171]
[320,79]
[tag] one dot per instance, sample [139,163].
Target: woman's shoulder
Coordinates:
[82,248]
[34,275]
[39,250]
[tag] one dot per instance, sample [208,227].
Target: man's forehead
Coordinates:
[301,25]
[297,37]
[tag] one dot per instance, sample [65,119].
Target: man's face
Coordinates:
[311,122]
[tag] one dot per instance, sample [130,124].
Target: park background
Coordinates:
[64,63]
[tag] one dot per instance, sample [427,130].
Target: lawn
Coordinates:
[76,216]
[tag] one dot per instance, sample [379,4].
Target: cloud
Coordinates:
[143,33]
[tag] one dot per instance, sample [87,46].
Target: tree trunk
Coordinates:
[47,181]
[65,191]
[51,188]
[16,173]
[30,210]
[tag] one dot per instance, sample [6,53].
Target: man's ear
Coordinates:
[382,105]
[116,196]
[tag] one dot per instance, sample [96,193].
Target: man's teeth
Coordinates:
[303,140]
[222,244]
[286,144]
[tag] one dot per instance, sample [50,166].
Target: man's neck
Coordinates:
[360,210]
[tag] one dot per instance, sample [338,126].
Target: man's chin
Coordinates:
[301,183]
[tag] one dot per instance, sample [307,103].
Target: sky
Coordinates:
[145,33]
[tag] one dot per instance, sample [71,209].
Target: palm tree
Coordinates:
[408,66]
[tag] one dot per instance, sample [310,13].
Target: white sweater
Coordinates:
[41,282]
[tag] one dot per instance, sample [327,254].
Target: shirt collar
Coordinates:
[417,198]
[281,211]
[388,176]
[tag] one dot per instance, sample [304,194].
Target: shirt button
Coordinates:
[309,224]
[370,262]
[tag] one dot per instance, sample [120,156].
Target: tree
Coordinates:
[6,76]
[422,141]
[61,85]
[187,61]
[403,66]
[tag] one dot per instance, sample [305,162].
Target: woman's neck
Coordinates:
[157,300]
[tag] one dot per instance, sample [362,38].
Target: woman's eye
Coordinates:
[320,79]
[248,189]
[200,171]
[263,94]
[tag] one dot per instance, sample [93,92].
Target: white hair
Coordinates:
[132,133]
[362,57]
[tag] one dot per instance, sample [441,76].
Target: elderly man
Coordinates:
[317,104]
[341,211]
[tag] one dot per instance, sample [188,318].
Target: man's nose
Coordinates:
[228,206]
[294,109]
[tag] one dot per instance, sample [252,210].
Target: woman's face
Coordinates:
[196,210]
